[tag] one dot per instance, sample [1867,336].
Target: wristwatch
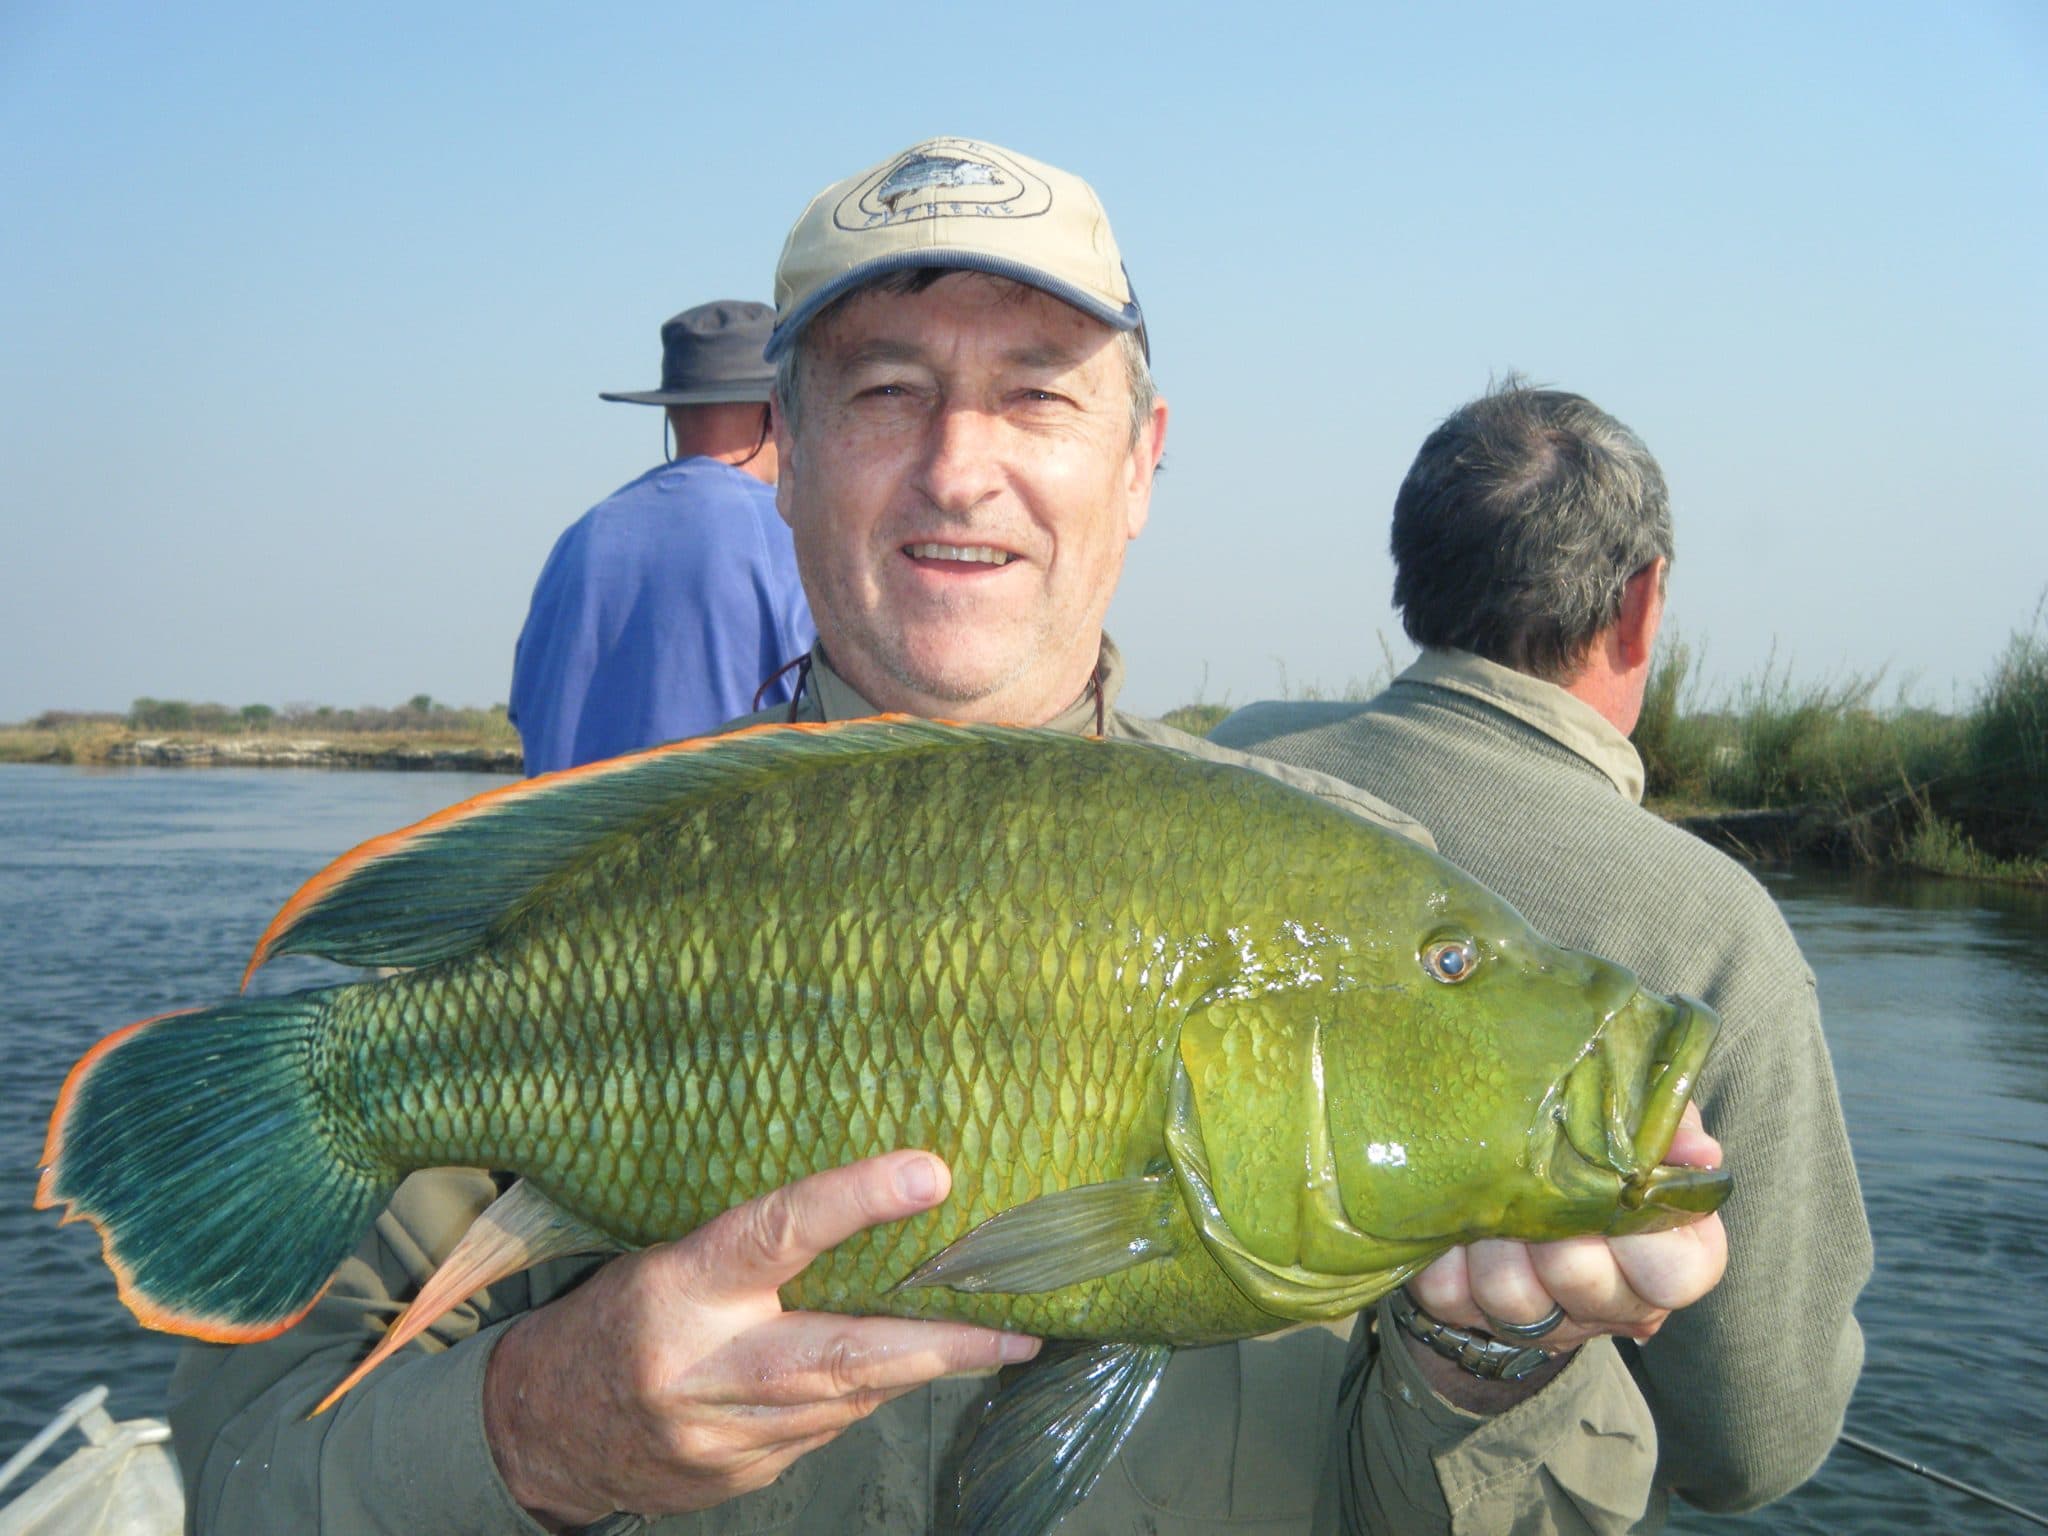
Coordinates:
[1480,1353]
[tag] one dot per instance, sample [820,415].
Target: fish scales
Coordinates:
[792,999]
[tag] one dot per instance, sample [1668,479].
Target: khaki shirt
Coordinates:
[1242,1437]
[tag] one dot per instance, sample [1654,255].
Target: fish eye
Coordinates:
[1451,960]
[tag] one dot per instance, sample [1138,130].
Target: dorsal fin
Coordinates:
[440,887]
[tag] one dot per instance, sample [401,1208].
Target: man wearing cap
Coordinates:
[967,431]
[672,604]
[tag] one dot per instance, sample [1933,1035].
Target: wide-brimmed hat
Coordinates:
[711,355]
[954,203]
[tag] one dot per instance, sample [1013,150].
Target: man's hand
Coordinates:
[672,1379]
[1618,1285]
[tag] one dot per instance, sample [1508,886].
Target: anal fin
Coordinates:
[1061,1239]
[521,1228]
[1048,1432]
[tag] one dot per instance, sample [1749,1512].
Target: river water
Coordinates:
[129,893]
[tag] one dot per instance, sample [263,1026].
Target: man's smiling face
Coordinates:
[961,486]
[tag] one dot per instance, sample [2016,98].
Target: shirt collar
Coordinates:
[838,699]
[1569,721]
[835,696]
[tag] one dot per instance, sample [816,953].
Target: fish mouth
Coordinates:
[1620,1105]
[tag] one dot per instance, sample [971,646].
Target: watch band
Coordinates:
[1479,1353]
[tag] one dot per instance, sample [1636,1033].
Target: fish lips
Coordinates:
[1619,1110]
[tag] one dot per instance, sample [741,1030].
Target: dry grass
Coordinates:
[101,743]
[85,742]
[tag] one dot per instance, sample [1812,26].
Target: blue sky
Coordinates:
[304,310]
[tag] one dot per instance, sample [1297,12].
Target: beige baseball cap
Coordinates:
[954,203]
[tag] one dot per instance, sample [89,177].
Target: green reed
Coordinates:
[1963,794]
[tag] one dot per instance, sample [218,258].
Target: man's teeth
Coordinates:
[980,554]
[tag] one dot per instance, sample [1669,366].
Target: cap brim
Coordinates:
[1118,317]
[710,394]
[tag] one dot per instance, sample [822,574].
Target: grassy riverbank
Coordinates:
[1953,794]
[1820,769]
[417,734]
[1775,768]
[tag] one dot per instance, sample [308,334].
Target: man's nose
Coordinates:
[961,466]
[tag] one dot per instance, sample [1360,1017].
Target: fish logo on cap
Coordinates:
[923,185]
[934,171]
[954,204]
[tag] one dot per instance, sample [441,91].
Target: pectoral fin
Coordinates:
[1047,1433]
[1062,1238]
[519,1229]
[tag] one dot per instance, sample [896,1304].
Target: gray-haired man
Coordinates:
[1531,542]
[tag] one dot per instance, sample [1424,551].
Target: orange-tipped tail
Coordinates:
[196,1146]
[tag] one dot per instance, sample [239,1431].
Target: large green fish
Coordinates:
[1207,1056]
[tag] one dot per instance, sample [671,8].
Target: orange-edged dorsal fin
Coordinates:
[521,1228]
[442,886]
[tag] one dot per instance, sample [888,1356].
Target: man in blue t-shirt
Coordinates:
[665,609]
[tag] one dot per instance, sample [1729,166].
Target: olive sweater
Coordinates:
[1536,794]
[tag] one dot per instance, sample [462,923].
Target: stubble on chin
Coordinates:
[951,672]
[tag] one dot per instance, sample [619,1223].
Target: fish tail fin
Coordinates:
[199,1146]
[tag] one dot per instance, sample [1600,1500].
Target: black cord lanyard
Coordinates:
[802,668]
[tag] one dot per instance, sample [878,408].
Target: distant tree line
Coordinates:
[420,713]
